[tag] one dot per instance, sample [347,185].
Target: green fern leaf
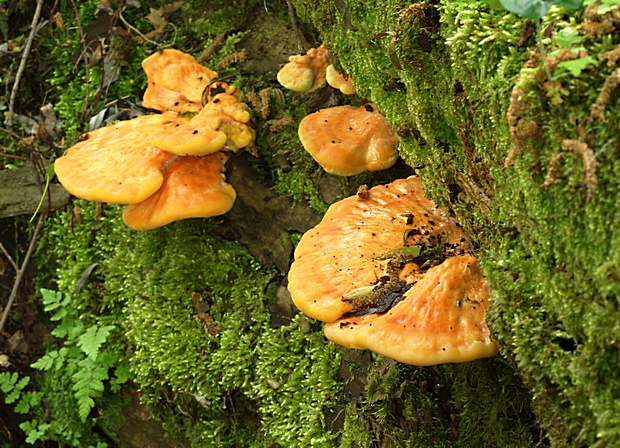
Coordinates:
[48,360]
[93,338]
[30,400]
[23,407]
[85,404]
[34,430]
[17,390]
[53,299]
[7,381]
[12,397]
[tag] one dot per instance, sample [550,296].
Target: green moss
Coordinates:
[225,356]
[548,253]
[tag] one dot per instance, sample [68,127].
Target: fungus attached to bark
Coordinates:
[175,81]
[347,140]
[339,81]
[392,273]
[305,72]
[193,187]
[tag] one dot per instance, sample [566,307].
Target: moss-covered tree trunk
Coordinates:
[516,133]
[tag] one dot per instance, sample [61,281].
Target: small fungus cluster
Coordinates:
[344,140]
[390,272]
[305,72]
[166,166]
[311,70]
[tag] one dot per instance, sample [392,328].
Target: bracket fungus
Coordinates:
[337,80]
[175,81]
[167,166]
[115,164]
[347,140]
[305,72]
[193,187]
[221,124]
[390,272]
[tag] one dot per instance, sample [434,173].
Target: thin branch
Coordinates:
[21,272]
[136,30]
[86,61]
[8,257]
[11,156]
[291,16]
[22,63]
[11,133]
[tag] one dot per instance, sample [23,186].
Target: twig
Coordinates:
[21,272]
[86,61]
[137,31]
[8,257]
[11,133]
[291,16]
[22,63]
[11,156]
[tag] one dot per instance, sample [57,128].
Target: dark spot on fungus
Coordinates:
[218,88]
[369,108]
[195,132]
[383,303]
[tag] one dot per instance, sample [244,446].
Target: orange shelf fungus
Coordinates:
[115,164]
[175,81]
[193,187]
[221,124]
[339,81]
[390,272]
[167,166]
[305,72]
[347,140]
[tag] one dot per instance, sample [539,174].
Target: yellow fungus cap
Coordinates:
[305,72]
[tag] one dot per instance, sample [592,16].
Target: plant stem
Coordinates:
[22,64]
[21,271]
[541,48]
